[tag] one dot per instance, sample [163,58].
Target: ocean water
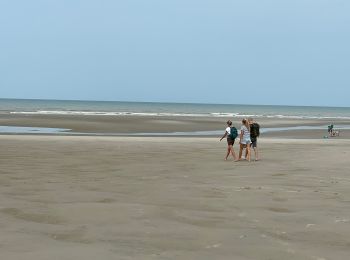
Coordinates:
[31,130]
[103,108]
[117,108]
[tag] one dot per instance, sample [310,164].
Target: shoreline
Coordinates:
[167,126]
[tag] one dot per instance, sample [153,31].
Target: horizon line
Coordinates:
[167,102]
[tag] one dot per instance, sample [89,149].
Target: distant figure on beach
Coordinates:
[330,130]
[254,134]
[231,134]
[244,140]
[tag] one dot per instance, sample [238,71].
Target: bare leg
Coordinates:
[240,151]
[233,153]
[228,152]
[248,153]
[256,152]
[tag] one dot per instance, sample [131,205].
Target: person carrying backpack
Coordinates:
[231,134]
[254,134]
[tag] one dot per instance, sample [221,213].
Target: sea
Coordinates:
[120,108]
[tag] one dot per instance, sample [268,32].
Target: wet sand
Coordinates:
[86,197]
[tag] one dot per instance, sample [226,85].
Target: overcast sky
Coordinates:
[288,52]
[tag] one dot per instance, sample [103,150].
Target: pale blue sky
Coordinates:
[288,52]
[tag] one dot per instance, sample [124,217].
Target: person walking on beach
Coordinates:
[330,130]
[254,134]
[231,134]
[244,140]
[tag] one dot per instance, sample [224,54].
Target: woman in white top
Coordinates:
[230,142]
[244,139]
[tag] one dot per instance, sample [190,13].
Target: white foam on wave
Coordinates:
[168,114]
[103,113]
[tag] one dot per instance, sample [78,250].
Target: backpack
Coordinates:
[254,130]
[233,133]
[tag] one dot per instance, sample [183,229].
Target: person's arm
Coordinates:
[241,136]
[225,134]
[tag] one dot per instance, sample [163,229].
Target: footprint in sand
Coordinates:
[280,210]
[75,236]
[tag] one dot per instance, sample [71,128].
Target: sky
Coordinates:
[273,52]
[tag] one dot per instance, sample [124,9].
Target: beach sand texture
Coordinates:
[74,197]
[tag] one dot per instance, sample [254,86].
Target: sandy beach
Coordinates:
[88,197]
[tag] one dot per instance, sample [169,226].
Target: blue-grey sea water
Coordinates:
[117,108]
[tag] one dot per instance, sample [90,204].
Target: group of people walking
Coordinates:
[248,137]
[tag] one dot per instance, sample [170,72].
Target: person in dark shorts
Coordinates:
[254,134]
[330,130]
[230,141]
